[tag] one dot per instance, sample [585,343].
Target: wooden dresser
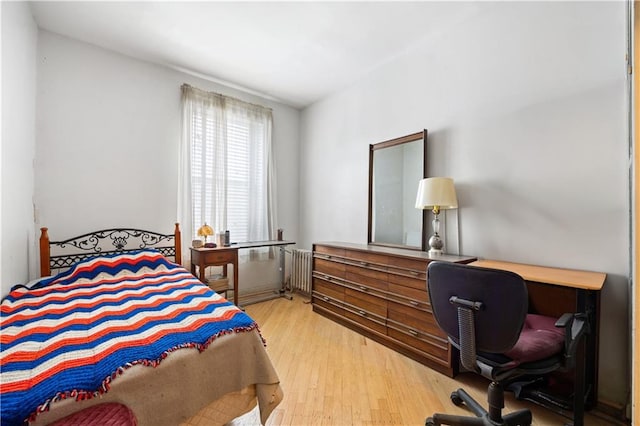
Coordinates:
[381,293]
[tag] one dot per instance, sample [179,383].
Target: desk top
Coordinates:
[247,245]
[398,251]
[565,277]
[269,243]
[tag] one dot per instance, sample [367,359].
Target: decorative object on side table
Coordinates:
[205,231]
[436,193]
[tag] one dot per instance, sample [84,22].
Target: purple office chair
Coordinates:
[484,313]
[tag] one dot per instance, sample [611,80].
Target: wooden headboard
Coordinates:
[56,255]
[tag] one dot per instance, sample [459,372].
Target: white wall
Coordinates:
[108,132]
[525,107]
[19,39]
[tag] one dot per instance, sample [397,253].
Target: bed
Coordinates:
[115,318]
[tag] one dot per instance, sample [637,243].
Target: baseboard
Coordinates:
[257,296]
[611,412]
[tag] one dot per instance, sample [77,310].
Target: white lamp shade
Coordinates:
[436,192]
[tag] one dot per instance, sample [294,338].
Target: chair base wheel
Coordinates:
[455,398]
[482,417]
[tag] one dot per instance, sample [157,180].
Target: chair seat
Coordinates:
[539,339]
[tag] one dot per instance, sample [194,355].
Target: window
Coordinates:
[226,166]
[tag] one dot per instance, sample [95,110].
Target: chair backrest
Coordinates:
[503,297]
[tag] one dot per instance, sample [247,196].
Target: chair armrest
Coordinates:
[564,321]
[575,327]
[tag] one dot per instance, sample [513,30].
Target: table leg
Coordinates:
[283,284]
[202,272]
[579,384]
[235,281]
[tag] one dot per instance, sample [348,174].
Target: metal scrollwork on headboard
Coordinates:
[119,239]
[63,254]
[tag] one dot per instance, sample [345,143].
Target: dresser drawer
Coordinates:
[367,259]
[415,319]
[399,292]
[366,284]
[411,303]
[418,282]
[327,288]
[436,351]
[414,265]
[366,302]
[366,272]
[407,274]
[329,267]
[326,303]
[330,251]
[366,319]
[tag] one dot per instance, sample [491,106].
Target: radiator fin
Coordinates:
[301,271]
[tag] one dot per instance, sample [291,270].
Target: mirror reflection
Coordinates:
[395,169]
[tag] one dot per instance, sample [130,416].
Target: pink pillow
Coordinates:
[539,339]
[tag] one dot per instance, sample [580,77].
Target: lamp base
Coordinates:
[435,252]
[435,244]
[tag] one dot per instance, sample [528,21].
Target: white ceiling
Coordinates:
[293,52]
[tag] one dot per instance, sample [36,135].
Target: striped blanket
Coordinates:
[72,334]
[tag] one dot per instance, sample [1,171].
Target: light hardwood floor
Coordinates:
[333,376]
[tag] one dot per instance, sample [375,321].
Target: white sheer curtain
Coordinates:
[226,167]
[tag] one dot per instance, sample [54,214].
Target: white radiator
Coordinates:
[301,270]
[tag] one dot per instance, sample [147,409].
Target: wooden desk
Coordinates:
[554,291]
[219,256]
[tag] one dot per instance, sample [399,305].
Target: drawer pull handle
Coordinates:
[327,277]
[326,299]
[363,313]
[414,273]
[414,303]
[363,288]
[363,263]
[413,333]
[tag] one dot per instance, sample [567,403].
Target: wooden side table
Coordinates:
[219,256]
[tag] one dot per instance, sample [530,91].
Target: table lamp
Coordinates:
[205,231]
[436,193]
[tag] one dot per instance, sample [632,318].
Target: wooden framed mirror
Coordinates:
[396,167]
